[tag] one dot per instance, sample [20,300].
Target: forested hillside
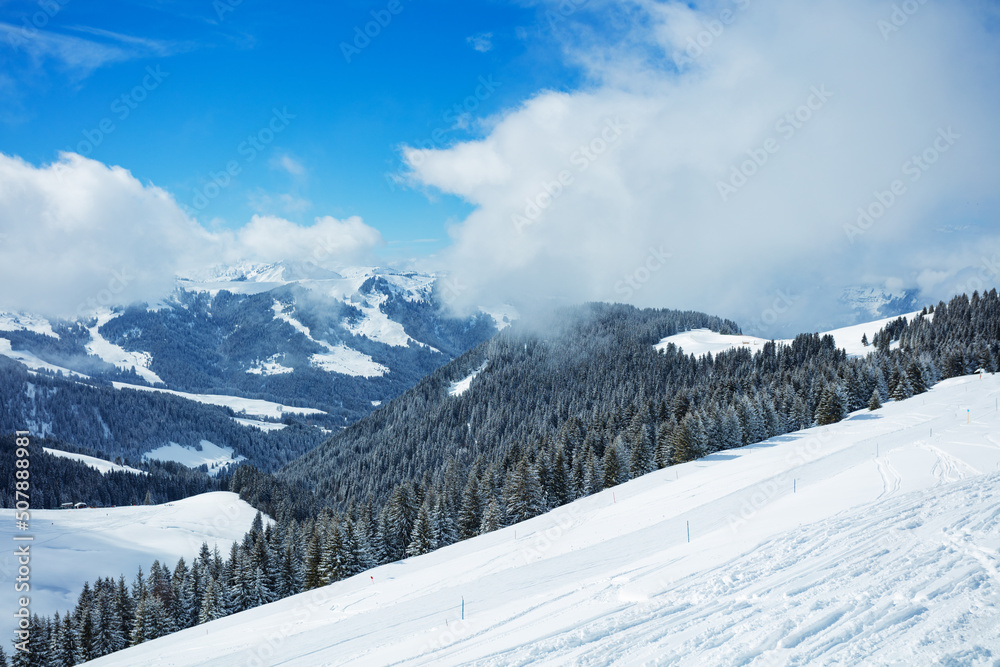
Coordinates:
[550,418]
[129,423]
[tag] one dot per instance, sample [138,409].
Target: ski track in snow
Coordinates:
[888,559]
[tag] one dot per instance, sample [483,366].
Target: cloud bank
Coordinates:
[76,234]
[736,156]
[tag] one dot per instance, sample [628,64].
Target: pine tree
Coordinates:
[492,517]
[61,647]
[421,538]
[875,402]
[83,626]
[209,605]
[902,390]
[471,509]
[615,471]
[523,492]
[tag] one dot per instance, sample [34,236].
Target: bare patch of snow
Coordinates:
[215,457]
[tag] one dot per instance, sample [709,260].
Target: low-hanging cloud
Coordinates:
[750,159]
[77,234]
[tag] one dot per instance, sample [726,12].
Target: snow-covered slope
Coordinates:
[703,341]
[872,541]
[117,356]
[73,545]
[461,386]
[250,406]
[100,465]
[216,458]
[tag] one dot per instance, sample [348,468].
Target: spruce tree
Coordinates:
[875,402]
[421,538]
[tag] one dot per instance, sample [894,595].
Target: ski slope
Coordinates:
[873,541]
[72,546]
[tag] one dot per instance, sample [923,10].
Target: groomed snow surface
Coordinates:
[73,546]
[872,541]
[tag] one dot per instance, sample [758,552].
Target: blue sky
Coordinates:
[224,66]
[755,159]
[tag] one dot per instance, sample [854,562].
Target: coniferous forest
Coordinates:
[555,414]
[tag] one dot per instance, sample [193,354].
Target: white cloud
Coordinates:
[328,242]
[81,55]
[569,208]
[266,203]
[76,233]
[482,42]
[289,164]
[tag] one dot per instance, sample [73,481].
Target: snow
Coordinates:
[97,464]
[118,356]
[702,341]
[461,386]
[376,325]
[25,322]
[503,316]
[269,367]
[215,457]
[849,338]
[251,406]
[33,362]
[885,553]
[72,546]
[262,425]
[339,358]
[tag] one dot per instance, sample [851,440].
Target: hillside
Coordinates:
[873,540]
[78,544]
[275,342]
